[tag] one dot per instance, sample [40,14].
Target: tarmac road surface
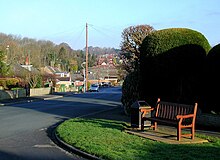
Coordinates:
[25,126]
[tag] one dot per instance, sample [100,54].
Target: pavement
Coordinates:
[165,134]
[30,99]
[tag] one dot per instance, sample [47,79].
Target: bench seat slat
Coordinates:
[161,120]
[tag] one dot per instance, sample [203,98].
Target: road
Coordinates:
[25,127]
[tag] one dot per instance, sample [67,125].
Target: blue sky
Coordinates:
[64,20]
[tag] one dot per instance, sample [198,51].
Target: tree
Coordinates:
[4,68]
[34,80]
[73,65]
[132,38]
[92,60]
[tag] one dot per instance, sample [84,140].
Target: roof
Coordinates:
[63,78]
[77,77]
[51,70]
[20,71]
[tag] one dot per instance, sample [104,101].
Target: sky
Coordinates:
[65,20]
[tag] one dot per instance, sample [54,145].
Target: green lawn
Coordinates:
[107,140]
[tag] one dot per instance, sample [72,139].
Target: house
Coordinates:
[77,79]
[63,84]
[62,74]
[62,80]
[27,66]
[23,70]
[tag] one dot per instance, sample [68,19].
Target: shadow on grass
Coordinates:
[171,151]
[103,123]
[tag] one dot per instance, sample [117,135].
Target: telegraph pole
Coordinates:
[87,57]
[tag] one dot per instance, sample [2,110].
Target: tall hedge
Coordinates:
[172,65]
[163,40]
[213,80]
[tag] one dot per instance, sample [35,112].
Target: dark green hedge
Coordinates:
[213,79]
[214,52]
[172,65]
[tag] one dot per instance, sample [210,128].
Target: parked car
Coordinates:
[94,88]
[106,84]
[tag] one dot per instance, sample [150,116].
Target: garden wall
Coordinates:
[12,94]
[40,91]
[8,94]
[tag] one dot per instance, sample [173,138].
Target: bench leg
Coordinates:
[192,132]
[142,124]
[179,133]
[155,126]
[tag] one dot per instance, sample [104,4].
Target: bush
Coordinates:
[9,83]
[130,92]
[213,80]
[15,89]
[39,82]
[3,83]
[172,65]
[35,80]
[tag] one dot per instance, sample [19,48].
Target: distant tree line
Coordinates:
[105,50]
[42,53]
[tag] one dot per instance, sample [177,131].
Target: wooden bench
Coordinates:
[181,115]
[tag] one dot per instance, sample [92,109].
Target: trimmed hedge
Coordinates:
[172,65]
[214,51]
[213,79]
[163,40]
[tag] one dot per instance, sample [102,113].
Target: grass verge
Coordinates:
[106,139]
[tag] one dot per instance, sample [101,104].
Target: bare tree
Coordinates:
[34,80]
[132,38]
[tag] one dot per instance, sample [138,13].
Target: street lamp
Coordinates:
[84,77]
[7,53]
[94,76]
[7,47]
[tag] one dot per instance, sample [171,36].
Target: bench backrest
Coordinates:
[168,110]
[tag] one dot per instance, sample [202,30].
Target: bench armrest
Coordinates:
[145,111]
[182,117]
[185,116]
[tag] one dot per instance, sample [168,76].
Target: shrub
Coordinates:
[9,83]
[39,82]
[130,92]
[17,88]
[12,81]
[35,80]
[172,65]
[3,83]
